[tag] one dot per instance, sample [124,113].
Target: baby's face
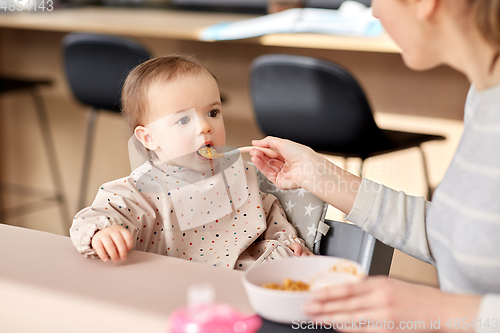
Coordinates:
[186,115]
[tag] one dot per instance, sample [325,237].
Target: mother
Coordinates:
[459,232]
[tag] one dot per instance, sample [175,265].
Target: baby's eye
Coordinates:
[183,121]
[213,113]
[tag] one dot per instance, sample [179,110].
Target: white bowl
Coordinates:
[286,306]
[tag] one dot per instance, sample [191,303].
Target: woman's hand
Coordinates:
[299,166]
[290,170]
[112,242]
[389,304]
[300,250]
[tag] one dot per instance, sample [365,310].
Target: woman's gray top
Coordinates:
[459,232]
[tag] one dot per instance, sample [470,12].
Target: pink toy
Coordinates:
[202,315]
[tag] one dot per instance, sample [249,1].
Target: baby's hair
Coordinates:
[161,69]
[487,16]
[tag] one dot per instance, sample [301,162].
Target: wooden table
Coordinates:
[46,286]
[176,25]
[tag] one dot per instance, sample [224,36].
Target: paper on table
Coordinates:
[351,19]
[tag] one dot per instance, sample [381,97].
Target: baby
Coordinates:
[179,203]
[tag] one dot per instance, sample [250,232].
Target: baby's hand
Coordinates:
[114,241]
[300,250]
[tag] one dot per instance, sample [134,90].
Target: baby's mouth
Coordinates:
[207,151]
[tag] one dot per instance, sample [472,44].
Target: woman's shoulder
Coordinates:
[482,106]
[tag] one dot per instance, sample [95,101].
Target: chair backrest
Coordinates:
[350,242]
[96,66]
[311,101]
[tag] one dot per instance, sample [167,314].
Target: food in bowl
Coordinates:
[288,285]
[286,307]
[348,273]
[346,268]
[341,273]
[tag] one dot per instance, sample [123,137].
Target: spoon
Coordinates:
[211,153]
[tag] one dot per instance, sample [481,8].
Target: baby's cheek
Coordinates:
[221,135]
[191,145]
[179,148]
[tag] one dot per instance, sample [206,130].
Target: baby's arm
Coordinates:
[279,228]
[117,204]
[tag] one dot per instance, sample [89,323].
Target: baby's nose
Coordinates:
[205,127]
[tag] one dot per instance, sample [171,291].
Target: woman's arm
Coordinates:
[392,217]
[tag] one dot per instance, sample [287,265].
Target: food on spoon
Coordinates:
[288,285]
[211,153]
[208,152]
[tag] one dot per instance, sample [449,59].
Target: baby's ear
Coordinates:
[144,135]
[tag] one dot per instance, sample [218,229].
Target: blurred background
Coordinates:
[31,48]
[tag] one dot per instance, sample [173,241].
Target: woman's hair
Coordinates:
[487,16]
[161,69]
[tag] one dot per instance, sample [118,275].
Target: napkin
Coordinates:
[351,19]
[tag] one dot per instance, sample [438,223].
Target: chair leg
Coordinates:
[52,158]
[426,173]
[86,157]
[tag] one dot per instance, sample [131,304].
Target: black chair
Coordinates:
[348,241]
[96,67]
[320,104]
[31,86]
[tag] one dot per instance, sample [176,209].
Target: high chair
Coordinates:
[323,237]
[332,238]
